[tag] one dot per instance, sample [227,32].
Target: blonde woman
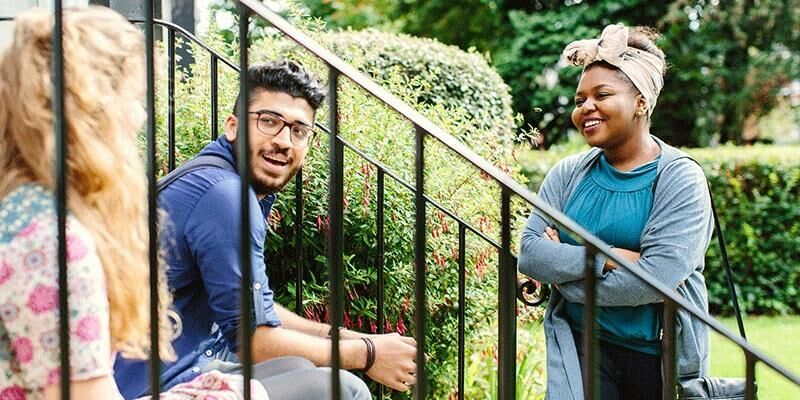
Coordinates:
[107,231]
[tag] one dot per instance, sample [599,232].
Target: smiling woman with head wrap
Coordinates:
[610,190]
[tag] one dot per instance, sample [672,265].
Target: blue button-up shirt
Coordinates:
[202,250]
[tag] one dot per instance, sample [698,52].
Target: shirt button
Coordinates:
[257,286]
[196,369]
[209,353]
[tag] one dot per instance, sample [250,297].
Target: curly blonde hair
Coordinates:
[104,79]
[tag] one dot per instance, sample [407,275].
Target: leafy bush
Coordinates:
[756,191]
[388,138]
[448,76]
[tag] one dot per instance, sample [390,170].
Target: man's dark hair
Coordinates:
[286,77]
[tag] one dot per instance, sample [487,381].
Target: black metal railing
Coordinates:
[508,286]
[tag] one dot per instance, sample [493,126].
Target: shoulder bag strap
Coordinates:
[192,165]
[722,248]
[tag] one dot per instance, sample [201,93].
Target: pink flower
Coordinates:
[76,249]
[12,393]
[54,376]
[23,350]
[88,328]
[28,230]
[44,298]
[5,272]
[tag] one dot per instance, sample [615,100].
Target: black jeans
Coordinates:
[625,374]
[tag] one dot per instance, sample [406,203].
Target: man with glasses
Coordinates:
[204,273]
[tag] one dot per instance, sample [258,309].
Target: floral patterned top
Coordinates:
[29,339]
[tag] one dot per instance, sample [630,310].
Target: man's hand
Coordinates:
[395,364]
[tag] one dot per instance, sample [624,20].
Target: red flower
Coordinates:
[401,327]
[43,298]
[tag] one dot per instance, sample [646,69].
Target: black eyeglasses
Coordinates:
[269,123]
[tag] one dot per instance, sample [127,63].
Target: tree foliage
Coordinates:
[728,59]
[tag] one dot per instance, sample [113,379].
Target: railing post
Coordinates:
[750,376]
[60,130]
[171,98]
[669,350]
[507,324]
[335,235]
[152,207]
[380,261]
[589,337]
[214,98]
[380,239]
[462,306]
[243,163]
[419,263]
[298,241]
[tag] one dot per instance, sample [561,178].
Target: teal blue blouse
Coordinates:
[614,206]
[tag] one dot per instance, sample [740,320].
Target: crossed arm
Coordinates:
[672,246]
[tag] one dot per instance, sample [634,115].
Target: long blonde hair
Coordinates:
[107,187]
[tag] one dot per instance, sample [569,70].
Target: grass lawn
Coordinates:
[778,338]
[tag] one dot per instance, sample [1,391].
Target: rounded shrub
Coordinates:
[448,77]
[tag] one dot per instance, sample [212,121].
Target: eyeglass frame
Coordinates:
[284,123]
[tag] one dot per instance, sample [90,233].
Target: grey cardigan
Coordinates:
[673,246]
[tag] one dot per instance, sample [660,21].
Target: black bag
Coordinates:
[706,387]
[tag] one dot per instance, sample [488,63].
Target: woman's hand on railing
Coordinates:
[395,364]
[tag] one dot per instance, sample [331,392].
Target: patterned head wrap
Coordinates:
[642,68]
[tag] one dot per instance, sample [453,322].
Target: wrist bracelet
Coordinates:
[370,354]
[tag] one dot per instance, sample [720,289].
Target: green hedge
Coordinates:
[756,191]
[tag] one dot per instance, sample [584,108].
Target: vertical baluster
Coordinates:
[462,306]
[380,261]
[242,166]
[214,98]
[589,337]
[507,325]
[298,240]
[335,238]
[171,97]
[669,349]
[60,130]
[152,215]
[419,263]
[380,238]
[750,376]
